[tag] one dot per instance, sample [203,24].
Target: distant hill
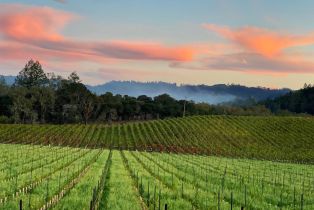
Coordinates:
[299,101]
[9,79]
[215,94]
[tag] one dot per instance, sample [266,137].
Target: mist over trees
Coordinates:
[211,94]
[39,97]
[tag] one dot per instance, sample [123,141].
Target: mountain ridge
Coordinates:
[212,94]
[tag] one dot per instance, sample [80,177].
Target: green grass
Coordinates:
[119,193]
[79,197]
[187,181]
[271,138]
[36,185]
[148,180]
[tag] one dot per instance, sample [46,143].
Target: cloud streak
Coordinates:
[31,24]
[254,50]
[36,32]
[249,63]
[39,28]
[259,40]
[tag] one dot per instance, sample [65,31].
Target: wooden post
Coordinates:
[148,195]
[141,187]
[245,202]
[21,205]
[16,176]
[281,203]
[231,201]
[219,200]
[166,206]
[47,192]
[155,198]
[59,184]
[159,199]
[294,200]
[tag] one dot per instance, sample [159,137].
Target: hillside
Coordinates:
[9,80]
[215,94]
[274,138]
[299,101]
[199,93]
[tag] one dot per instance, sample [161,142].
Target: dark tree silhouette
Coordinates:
[32,75]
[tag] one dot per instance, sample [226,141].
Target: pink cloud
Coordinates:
[32,23]
[39,27]
[256,51]
[139,50]
[259,40]
[250,63]
[36,32]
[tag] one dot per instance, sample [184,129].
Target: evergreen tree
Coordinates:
[32,75]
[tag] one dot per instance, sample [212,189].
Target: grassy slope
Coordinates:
[274,138]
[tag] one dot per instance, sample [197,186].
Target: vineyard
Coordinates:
[271,138]
[51,177]
[201,162]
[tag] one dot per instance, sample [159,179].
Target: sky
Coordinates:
[250,42]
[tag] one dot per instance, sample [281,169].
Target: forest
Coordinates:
[300,101]
[39,97]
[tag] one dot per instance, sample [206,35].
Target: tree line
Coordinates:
[39,97]
[300,101]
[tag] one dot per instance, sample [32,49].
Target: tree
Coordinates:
[43,101]
[55,81]
[2,81]
[167,106]
[131,107]
[5,100]
[3,86]
[87,107]
[32,75]
[74,78]
[22,107]
[146,106]
[74,101]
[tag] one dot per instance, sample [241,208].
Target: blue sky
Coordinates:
[254,43]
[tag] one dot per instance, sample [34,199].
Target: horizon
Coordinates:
[252,43]
[174,83]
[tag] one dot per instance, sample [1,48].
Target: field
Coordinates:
[74,178]
[271,138]
[213,162]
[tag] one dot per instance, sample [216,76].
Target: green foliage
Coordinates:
[39,97]
[32,75]
[74,78]
[272,138]
[300,101]
[65,178]
[5,120]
